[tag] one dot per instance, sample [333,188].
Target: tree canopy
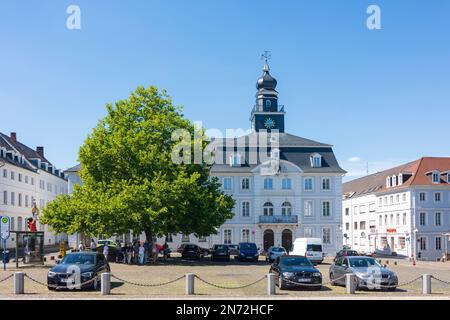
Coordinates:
[130,181]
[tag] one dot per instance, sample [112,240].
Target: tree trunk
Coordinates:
[149,235]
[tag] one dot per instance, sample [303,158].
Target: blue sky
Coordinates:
[380,96]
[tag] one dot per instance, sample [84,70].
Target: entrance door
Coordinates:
[268,239]
[286,239]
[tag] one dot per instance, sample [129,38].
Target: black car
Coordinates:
[346,253]
[79,270]
[191,251]
[220,252]
[248,251]
[296,272]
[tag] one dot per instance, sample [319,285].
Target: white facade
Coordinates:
[19,188]
[407,221]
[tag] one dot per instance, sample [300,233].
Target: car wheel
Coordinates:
[51,288]
[317,288]
[332,282]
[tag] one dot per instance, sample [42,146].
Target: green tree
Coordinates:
[130,181]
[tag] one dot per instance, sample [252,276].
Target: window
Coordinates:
[448,177]
[227,183]
[20,177]
[326,184]
[326,235]
[245,235]
[308,208]
[5,173]
[404,218]
[326,208]
[362,209]
[436,177]
[12,175]
[402,242]
[268,209]
[308,233]
[400,179]
[380,202]
[397,220]
[392,220]
[385,201]
[391,199]
[437,218]
[268,103]
[20,200]
[347,226]
[394,181]
[268,184]
[19,224]
[227,236]
[347,211]
[388,182]
[423,243]
[362,225]
[380,220]
[316,160]
[355,225]
[26,179]
[235,160]
[275,154]
[372,207]
[184,238]
[422,219]
[246,209]
[245,184]
[437,197]
[13,198]
[32,181]
[286,209]
[385,220]
[286,184]
[5,197]
[438,243]
[404,197]
[308,184]
[397,198]
[422,196]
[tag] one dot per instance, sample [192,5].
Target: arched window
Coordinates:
[268,209]
[268,103]
[316,160]
[286,209]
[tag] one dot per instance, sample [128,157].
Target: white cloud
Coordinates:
[354,159]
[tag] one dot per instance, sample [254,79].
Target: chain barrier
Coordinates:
[440,280]
[7,278]
[55,287]
[230,288]
[147,284]
[381,286]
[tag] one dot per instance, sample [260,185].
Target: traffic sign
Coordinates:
[5,226]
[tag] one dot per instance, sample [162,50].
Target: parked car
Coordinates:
[191,251]
[248,251]
[274,252]
[368,272]
[296,271]
[220,252]
[234,251]
[181,248]
[345,253]
[204,252]
[90,265]
[310,248]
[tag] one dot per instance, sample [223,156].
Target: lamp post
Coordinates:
[415,244]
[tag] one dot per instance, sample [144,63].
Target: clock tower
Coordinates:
[267,114]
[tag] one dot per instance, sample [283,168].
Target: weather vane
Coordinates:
[266,56]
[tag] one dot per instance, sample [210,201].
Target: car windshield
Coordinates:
[79,259]
[295,261]
[314,247]
[190,247]
[364,263]
[221,248]
[248,246]
[277,249]
[351,253]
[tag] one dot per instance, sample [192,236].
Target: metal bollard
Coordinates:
[271,284]
[350,283]
[106,283]
[426,284]
[190,277]
[19,283]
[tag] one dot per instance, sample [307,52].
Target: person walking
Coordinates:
[81,246]
[141,254]
[155,252]
[106,251]
[93,245]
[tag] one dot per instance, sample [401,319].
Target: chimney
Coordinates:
[13,137]
[40,151]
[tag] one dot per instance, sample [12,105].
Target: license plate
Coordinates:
[303,280]
[67,280]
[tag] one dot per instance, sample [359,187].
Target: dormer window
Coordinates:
[388,182]
[316,160]
[436,177]
[394,181]
[235,160]
[275,154]
[448,177]
[400,179]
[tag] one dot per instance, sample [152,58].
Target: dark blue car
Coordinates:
[248,251]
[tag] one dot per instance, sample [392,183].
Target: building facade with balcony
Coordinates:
[405,210]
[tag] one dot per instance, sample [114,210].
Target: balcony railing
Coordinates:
[260,108]
[278,219]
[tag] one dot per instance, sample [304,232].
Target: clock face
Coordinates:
[269,123]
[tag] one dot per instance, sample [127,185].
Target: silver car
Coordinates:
[369,273]
[274,252]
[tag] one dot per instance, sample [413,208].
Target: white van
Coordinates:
[310,248]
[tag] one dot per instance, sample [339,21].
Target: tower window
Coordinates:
[268,103]
[235,160]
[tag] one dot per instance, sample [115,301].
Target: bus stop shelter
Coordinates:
[29,247]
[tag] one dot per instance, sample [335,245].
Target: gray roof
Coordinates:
[294,149]
[76,168]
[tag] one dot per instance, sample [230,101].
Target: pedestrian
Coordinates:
[81,246]
[141,254]
[93,245]
[106,251]
[165,250]
[155,252]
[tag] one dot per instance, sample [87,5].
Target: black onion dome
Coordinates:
[266,81]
